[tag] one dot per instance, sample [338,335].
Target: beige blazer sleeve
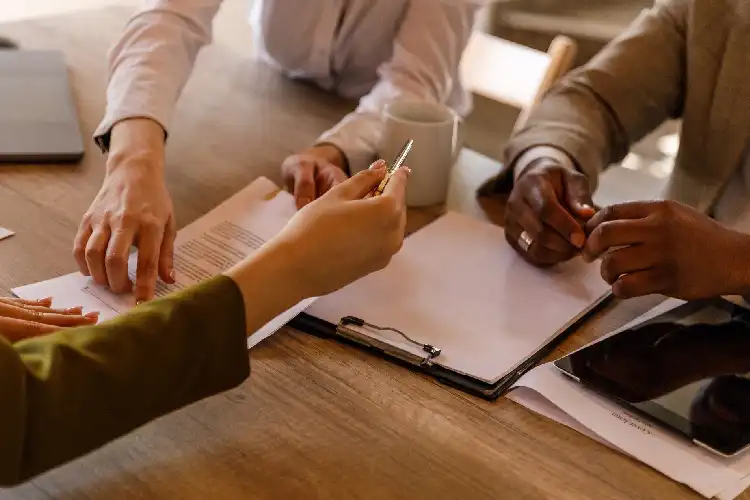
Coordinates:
[596,113]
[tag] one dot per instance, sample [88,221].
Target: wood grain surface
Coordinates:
[317,420]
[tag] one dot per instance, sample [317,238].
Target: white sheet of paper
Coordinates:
[5,233]
[459,286]
[547,392]
[205,248]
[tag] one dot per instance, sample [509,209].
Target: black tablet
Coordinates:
[688,370]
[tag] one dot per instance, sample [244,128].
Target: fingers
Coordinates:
[613,234]
[166,254]
[96,249]
[47,301]
[543,235]
[542,199]
[361,184]
[638,284]
[329,176]
[79,246]
[578,195]
[46,317]
[396,187]
[17,329]
[149,245]
[116,259]
[536,254]
[304,183]
[37,306]
[626,261]
[633,210]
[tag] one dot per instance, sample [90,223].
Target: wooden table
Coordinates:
[316,419]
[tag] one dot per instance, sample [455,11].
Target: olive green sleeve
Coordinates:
[68,393]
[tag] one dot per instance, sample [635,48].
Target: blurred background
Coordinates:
[534,23]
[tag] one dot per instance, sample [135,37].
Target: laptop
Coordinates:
[38,121]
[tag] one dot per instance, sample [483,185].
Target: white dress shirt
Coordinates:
[374,50]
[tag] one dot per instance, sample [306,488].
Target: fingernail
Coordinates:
[92,315]
[45,300]
[74,310]
[578,240]
[139,302]
[172,275]
[378,164]
[408,170]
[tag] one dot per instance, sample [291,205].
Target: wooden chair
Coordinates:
[512,74]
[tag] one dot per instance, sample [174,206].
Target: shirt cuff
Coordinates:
[541,152]
[357,158]
[103,133]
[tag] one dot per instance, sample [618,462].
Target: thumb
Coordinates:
[304,183]
[578,195]
[361,184]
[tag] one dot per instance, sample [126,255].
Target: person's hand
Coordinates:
[310,174]
[550,203]
[21,319]
[347,233]
[664,247]
[133,207]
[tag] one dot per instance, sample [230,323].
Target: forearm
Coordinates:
[68,393]
[424,67]
[269,283]
[596,113]
[153,59]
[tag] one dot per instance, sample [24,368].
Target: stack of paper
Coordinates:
[546,391]
[205,248]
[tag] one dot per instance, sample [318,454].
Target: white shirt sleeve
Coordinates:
[424,66]
[153,59]
[537,153]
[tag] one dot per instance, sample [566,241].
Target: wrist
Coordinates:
[268,282]
[332,154]
[536,164]
[136,143]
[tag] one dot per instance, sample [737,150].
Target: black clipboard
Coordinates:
[343,332]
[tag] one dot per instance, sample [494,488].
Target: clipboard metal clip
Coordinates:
[347,322]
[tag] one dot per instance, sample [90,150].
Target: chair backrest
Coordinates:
[511,73]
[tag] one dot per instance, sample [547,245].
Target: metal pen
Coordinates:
[397,163]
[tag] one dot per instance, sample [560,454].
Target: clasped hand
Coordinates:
[663,247]
[659,247]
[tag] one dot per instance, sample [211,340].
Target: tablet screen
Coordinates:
[688,368]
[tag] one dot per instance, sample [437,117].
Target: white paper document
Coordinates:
[5,233]
[459,286]
[548,392]
[205,248]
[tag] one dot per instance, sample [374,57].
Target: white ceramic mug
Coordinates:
[437,133]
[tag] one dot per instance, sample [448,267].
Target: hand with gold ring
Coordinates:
[547,211]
